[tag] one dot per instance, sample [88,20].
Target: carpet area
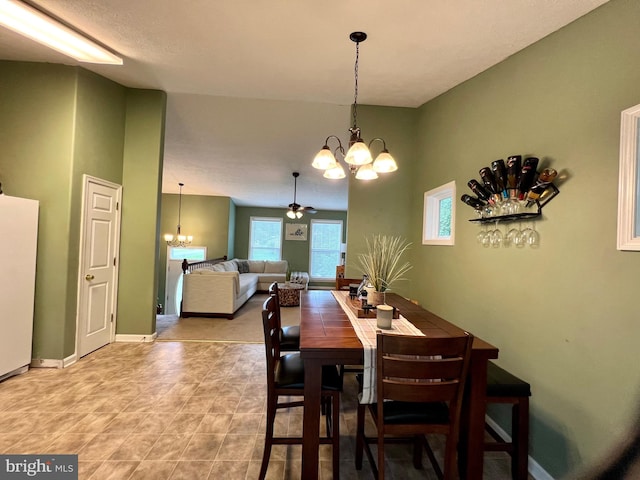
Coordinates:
[244,327]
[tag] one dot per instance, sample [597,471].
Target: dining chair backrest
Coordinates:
[422,369]
[271,326]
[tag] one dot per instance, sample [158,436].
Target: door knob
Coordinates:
[89,277]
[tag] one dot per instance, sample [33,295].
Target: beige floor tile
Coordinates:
[203,447]
[33,443]
[229,471]
[237,447]
[188,470]
[185,423]
[135,447]
[153,470]
[86,469]
[101,446]
[69,443]
[169,447]
[93,423]
[215,423]
[155,422]
[245,423]
[109,470]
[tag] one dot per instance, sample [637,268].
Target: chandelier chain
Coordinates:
[355,96]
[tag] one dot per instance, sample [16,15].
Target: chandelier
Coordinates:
[358,157]
[178,240]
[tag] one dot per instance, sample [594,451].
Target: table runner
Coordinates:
[366,329]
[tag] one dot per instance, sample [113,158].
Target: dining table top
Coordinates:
[325,326]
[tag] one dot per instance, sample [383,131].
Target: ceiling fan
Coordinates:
[295,210]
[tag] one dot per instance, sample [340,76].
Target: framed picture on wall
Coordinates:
[629,181]
[296,231]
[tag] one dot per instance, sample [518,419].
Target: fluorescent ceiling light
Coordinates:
[34,24]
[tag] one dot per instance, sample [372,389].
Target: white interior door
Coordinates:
[100,239]
[173,279]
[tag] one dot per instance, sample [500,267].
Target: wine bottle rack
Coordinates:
[521,215]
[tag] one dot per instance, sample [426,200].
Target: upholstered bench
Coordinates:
[504,387]
[301,278]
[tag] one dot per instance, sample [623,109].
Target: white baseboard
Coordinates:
[70,360]
[47,363]
[130,338]
[535,470]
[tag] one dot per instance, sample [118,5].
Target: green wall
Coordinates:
[207,218]
[56,124]
[383,206]
[141,187]
[563,315]
[295,252]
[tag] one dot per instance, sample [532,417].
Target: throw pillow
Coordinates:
[230,266]
[243,266]
[275,266]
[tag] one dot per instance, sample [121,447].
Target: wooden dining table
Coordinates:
[327,338]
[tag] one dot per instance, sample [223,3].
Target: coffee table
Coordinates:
[289,294]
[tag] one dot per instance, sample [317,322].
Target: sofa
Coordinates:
[220,289]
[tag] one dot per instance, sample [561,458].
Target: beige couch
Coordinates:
[221,289]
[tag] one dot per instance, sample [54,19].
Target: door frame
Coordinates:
[86,179]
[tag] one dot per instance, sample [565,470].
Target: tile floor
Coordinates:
[173,410]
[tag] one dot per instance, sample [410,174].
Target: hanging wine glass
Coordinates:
[512,237]
[533,237]
[496,237]
[482,234]
[518,240]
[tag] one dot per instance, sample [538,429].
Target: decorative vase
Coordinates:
[375,297]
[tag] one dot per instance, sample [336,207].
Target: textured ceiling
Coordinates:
[296,59]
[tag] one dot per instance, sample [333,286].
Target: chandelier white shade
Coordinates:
[178,240]
[358,157]
[33,23]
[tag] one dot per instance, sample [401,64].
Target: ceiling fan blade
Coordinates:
[309,210]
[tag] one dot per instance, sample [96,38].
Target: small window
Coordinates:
[265,238]
[326,240]
[192,254]
[439,215]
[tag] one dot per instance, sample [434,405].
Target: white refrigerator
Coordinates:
[18,245]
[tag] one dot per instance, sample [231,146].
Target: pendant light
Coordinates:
[358,157]
[178,240]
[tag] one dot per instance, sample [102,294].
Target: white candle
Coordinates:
[384,314]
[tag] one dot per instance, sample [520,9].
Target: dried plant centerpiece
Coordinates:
[381,263]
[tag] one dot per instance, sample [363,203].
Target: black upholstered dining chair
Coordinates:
[290,335]
[285,378]
[419,386]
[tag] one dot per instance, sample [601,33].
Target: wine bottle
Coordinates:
[490,183]
[480,191]
[544,180]
[473,201]
[514,167]
[527,176]
[499,170]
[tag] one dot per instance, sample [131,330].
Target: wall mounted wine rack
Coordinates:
[527,215]
[512,191]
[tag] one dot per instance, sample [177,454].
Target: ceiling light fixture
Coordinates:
[358,157]
[178,240]
[295,209]
[32,23]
